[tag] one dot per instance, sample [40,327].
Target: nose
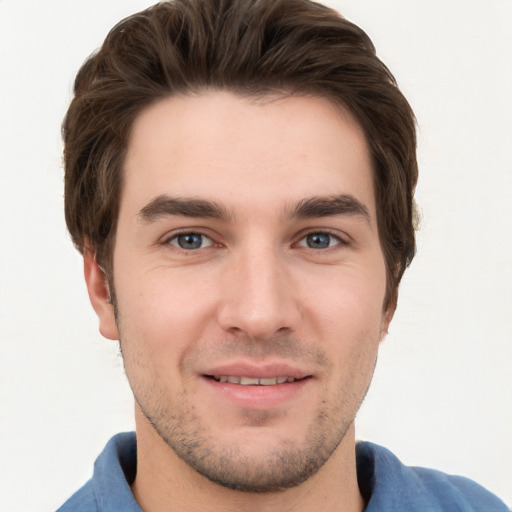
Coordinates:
[259,297]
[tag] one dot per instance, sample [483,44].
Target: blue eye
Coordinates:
[190,241]
[319,241]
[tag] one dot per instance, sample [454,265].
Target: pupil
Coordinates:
[318,241]
[190,241]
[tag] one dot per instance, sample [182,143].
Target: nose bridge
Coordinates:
[258,299]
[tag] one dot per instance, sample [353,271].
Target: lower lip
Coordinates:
[257,397]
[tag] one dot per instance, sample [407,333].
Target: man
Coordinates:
[239,179]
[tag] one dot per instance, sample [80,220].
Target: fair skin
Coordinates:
[246,253]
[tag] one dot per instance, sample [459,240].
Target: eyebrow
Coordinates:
[343,204]
[164,205]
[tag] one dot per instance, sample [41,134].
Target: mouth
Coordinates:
[254,381]
[257,388]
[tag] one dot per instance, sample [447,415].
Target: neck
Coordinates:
[164,483]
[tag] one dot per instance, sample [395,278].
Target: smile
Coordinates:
[263,388]
[253,381]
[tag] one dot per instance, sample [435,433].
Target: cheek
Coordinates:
[161,314]
[351,300]
[352,342]
[349,316]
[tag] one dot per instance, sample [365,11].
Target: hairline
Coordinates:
[258,94]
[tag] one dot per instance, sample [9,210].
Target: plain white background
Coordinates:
[441,396]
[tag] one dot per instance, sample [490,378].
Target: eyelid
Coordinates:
[169,238]
[341,238]
[206,241]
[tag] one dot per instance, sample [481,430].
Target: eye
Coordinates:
[190,241]
[319,241]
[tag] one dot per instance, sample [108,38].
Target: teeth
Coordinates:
[249,381]
[253,381]
[268,382]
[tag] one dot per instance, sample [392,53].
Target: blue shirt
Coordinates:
[385,483]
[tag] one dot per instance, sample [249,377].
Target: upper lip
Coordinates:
[261,371]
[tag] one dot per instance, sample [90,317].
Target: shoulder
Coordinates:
[109,487]
[390,485]
[82,501]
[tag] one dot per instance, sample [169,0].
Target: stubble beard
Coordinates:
[284,467]
[287,464]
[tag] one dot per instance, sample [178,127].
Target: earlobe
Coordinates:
[386,320]
[99,295]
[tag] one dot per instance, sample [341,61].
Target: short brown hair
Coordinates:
[252,48]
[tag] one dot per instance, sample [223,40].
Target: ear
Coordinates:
[99,294]
[386,320]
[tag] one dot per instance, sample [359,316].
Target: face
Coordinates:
[249,282]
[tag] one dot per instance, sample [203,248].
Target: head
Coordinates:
[239,176]
[261,49]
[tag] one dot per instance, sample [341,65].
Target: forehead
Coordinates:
[227,148]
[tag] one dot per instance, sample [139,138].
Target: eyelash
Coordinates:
[176,237]
[339,241]
[332,237]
